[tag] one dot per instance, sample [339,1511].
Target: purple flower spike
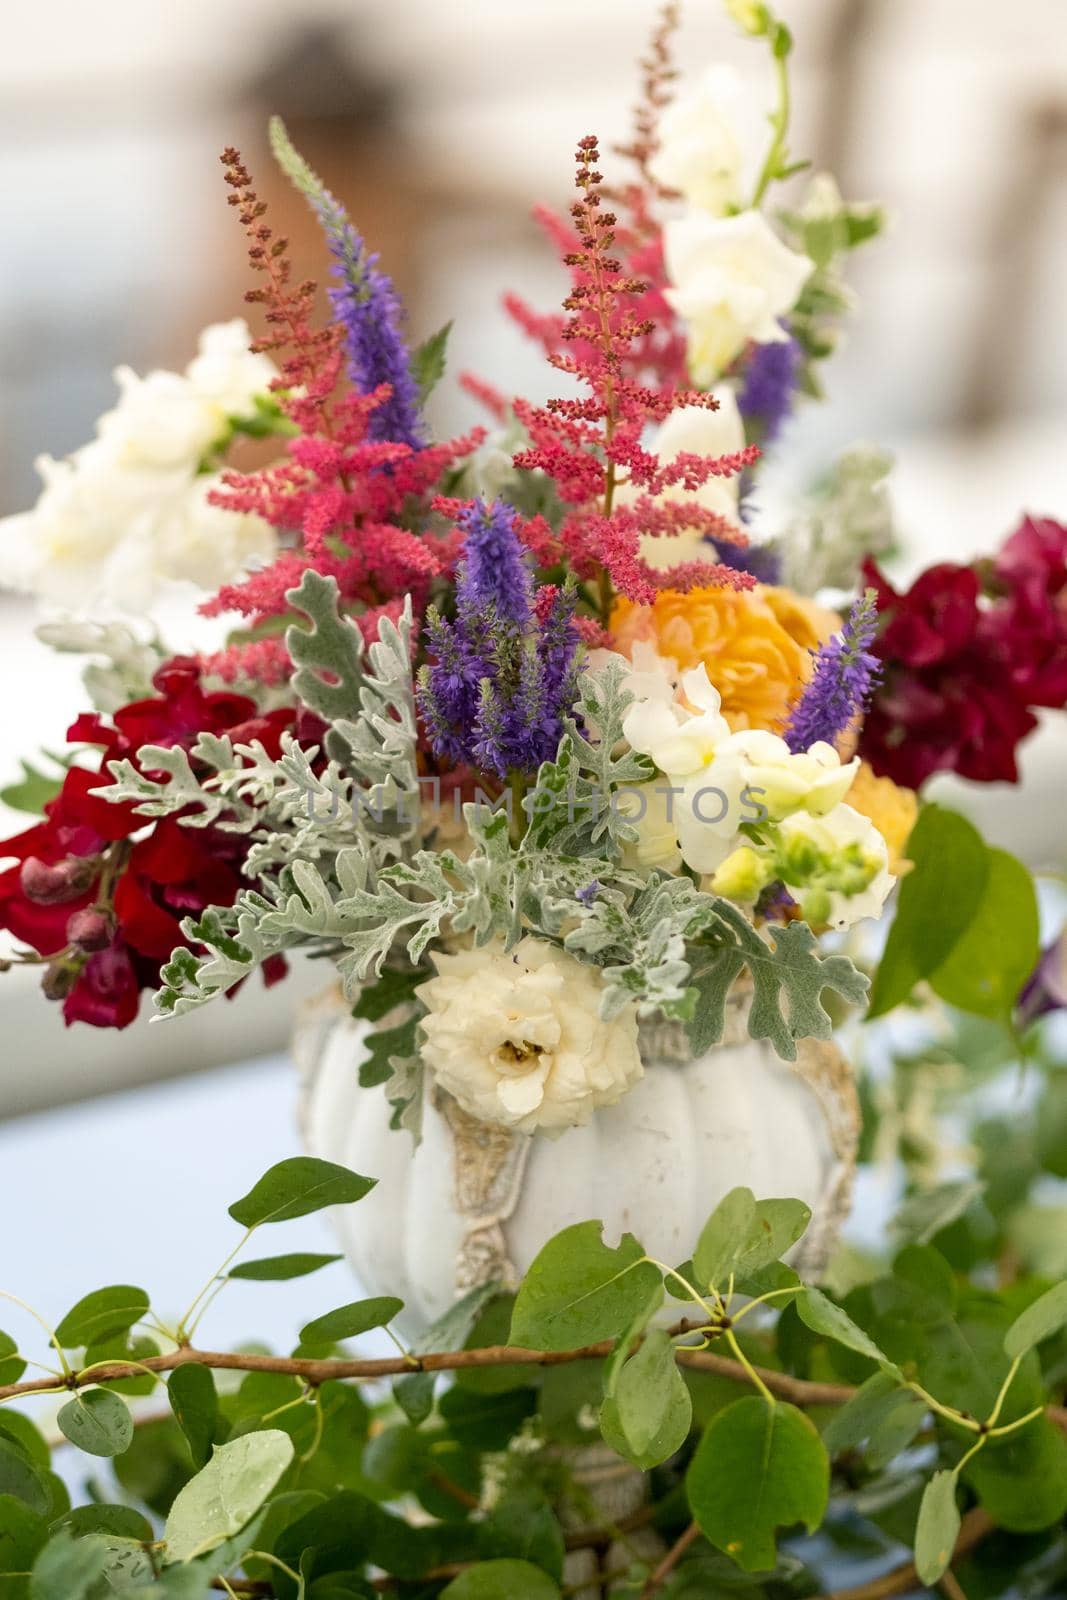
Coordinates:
[840,686]
[501,675]
[494,571]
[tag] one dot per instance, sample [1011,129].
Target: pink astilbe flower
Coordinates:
[346,502]
[591,445]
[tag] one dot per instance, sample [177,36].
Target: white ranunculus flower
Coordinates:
[517,1038]
[699,151]
[732,278]
[832,834]
[226,372]
[694,430]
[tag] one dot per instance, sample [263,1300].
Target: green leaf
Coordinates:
[1039,1321]
[101,1315]
[12,1366]
[327,655]
[227,1493]
[116,1522]
[923,1216]
[759,1466]
[744,1236]
[295,1187]
[195,1404]
[20,1477]
[879,1407]
[32,791]
[938,901]
[502,1580]
[967,922]
[578,1292]
[789,975]
[382,1047]
[98,1422]
[277,1269]
[522,1526]
[991,961]
[428,362]
[22,1431]
[1021,1480]
[732,1221]
[413,1392]
[938,1527]
[821,1315]
[67,1568]
[22,1534]
[348,1322]
[651,1400]
[390,989]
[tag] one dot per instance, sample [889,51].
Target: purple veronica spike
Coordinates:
[365,303]
[840,687]
[501,678]
[770,384]
[494,571]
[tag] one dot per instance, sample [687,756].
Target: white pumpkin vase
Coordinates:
[474,1202]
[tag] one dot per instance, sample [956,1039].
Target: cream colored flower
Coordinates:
[719,780]
[700,152]
[517,1037]
[732,278]
[129,512]
[226,372]
[842,836]
[694,430]
[813,780]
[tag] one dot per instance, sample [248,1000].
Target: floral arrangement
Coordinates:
[533,735]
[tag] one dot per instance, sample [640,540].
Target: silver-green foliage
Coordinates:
[344,888]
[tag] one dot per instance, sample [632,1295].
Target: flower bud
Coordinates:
[749,15]
[53,885]
[89,930]
[59,979]
[742,876]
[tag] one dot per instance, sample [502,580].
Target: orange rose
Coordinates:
[755,643]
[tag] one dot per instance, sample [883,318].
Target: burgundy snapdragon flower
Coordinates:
[99,891]
[968,654]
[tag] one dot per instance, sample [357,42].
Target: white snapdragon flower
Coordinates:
[209,544]
[226,372]
[813,780]
[516,1037]
[732,279]
[130,511]
[700,152]
[697,431]
[839,834]
[718,779]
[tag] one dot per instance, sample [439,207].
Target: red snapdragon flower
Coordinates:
[969,653]
[102,890]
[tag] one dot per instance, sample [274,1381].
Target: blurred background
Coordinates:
[439,125]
